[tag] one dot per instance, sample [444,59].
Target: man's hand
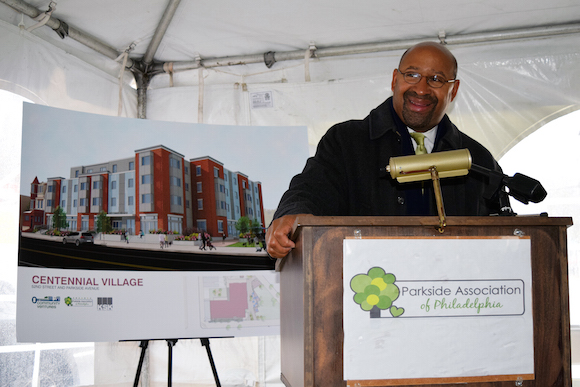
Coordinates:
[278,243]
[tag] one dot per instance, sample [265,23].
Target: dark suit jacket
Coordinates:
[345,177]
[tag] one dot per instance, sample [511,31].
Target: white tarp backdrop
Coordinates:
[509,88]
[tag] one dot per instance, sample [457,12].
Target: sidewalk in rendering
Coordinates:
[137,243]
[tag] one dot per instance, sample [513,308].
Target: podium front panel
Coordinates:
[312,305]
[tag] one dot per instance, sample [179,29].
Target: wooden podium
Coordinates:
[312,305]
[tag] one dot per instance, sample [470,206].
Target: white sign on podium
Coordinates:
[437,308]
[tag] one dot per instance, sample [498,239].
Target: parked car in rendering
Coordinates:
[78,238]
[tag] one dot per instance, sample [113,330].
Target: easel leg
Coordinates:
[205,343]
[170,344]
[143,346]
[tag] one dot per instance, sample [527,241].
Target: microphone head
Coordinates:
[525,189]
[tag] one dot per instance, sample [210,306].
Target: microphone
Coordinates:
[521,187]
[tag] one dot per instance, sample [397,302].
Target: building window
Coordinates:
[130,200]
[114,184]
[131,165]
[175,200]
[62,204]
[200,204]
[114,168]
[113,202]
[83,202]
[96,184]
[97,201]
[49,203]
[76,187]
[174,224]
[83,186]
[186,169]
[130,183]
[223,204]
[146,198]
[175,181]
[146,160]
[74,203]
[220,226]
[187,186]
[198,170]
[244,184]
[225,176]
[199,186]
[77,173]
[50,188]
[89,171]
[174,163]
[187,204]
[103,169]
[201,224]
[64,189]
[222,188]
[146,179]
[149,223]
[216,172]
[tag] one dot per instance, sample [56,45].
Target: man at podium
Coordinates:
[347,177]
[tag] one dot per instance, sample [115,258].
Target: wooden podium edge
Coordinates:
[457,380]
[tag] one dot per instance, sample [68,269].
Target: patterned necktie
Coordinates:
[420,140]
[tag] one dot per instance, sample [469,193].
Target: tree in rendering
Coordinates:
[243,225]
[103,223]
[59,219]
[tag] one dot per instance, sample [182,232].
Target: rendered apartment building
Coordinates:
[156,189]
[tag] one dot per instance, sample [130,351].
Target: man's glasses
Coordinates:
[435,81]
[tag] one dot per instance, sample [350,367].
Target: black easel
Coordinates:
[170,344]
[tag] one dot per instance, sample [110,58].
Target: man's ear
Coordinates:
[455,88]
[394,80]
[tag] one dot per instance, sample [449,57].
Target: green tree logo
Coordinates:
[376,291]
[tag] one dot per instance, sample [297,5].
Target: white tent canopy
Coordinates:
[518,60]
[330,60]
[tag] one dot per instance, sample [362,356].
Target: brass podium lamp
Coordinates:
[458,163]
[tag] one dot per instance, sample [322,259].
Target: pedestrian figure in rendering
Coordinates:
[161,240]
[203,241]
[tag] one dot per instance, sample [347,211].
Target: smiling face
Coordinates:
[421,106]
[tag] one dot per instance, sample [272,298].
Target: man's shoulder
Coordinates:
[373,125]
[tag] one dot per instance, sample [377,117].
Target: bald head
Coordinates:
[436,47]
